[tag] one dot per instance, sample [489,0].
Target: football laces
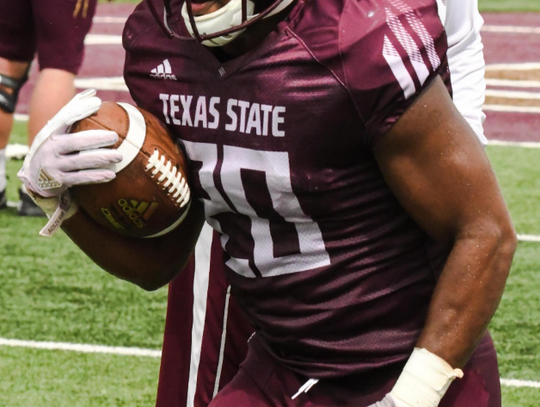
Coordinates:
[175,184]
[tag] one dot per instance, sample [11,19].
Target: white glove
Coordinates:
[54,162]
[57,161]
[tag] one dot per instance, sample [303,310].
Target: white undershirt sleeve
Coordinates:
[463,22]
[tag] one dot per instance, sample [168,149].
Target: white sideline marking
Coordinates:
[122,351]
[109,20]
[20,117]
[523,66]
[103,39]
[82,348]
[522,144]
[513,109]
[110,83]
[512,94]
[520,383]
[529,238]
[16,151]
[511,29]
[512,83]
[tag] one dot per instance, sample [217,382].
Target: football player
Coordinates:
[55,30]
[206,333]
[364,234]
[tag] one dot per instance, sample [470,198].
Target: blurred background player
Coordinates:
[55,31]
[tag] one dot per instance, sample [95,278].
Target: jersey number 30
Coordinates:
[252,204]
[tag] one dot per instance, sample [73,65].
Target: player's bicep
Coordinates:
[438,170]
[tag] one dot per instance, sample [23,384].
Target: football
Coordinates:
[150,195]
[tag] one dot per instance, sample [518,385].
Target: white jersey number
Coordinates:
[276,169]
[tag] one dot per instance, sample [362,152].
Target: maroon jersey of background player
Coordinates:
[332,272]
[54,28]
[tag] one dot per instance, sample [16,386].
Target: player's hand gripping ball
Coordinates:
[150,195]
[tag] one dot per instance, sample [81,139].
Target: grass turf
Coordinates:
[509,5]
[52,292]
[32,378]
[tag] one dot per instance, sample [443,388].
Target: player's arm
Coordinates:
[149,263]
[438,170]
[55,163]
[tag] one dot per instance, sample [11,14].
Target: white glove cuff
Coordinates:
[424,380]
[57,209]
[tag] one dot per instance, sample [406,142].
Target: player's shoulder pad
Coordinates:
[382,36]
[390,50]
[138,23]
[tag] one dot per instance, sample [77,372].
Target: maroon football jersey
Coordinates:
[332,272]
[54,29]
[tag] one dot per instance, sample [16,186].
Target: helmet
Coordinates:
[223,25]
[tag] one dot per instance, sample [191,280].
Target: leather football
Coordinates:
[150,195]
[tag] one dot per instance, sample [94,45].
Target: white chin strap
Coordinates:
[228,16]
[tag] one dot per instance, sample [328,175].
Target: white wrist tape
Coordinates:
[57,209]
[424,380]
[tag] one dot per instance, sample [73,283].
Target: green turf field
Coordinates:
[509,5]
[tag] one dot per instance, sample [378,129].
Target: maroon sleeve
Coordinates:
[388,59]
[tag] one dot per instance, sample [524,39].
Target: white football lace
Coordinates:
[175,183]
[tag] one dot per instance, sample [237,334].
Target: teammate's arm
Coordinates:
[463,22]
[438,170]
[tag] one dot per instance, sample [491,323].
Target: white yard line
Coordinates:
[519,66]
[116,83]
[103,39]
[512,83]
[81,348]
[521,144]
[529,238]
[514,29]
[123,351]
[20,117]
[513,94]
[109,20]
[511,109]
[520,383]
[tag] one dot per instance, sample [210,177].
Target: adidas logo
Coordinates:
[45,181]
[138,212]
[163,71]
